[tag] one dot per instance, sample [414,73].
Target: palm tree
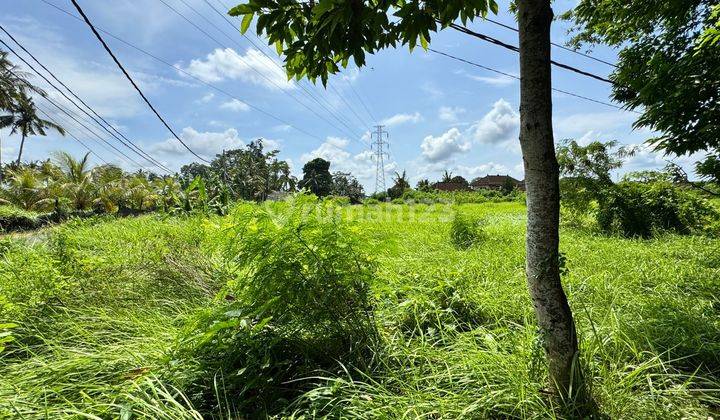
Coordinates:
[28,123]
[77,180]
[26,189]
[75,170]
[14,85]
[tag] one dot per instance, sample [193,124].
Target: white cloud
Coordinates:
[206,144]
[489,168]
[282,127]
[498,81]
[500,125]
[432,90]
[97,82]
[450,114]
[445,146]
[235,105]
[582,123]
[399,119]
[207,98]
[252,67]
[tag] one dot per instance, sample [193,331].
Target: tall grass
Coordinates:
[97,334]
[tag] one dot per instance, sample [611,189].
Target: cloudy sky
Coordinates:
[220,90]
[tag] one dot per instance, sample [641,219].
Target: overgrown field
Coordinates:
[376,311]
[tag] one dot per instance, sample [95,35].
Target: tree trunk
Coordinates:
[22,143]
[543,197]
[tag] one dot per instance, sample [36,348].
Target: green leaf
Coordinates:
[494,7]
[423,42]
[279,47]
[322,7]
[246,20]
[240,9]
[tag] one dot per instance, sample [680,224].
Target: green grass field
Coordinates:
[99,307]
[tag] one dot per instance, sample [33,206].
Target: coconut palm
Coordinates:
[76,180]
[28,123]
[27,189]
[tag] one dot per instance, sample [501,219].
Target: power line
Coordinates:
[599,60]
[64,111]
[89,130]
[71,135]
[309,92]
[190,75]
[130,79]
[510,47]
[263,75]
[357,95]
[136,149]
[517,78]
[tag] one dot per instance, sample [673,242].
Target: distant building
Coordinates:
[496,182]
[450,186]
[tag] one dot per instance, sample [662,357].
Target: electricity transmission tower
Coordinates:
[380,141]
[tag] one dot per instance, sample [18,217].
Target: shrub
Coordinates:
[445,307]
[640,210]
[300,301]
[371,201]
[465,231]
[14,218]
[462,197]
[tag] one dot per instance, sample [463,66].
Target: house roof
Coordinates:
[494,180]
[449,186]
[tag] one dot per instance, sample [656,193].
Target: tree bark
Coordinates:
[22,143]
[543,197]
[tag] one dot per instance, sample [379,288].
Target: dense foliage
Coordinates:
[465,231]
[644,204]
[249,173]
[299,301]
[317,178]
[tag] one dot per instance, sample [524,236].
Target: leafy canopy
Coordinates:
[668,66]
[317,38]
[317,178]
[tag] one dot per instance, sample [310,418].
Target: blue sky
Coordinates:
[441,114]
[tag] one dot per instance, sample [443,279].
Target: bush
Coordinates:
[462,197]
[370,201]
[465,231]
[634,209]
[444,307]
[300,302]
[14,218]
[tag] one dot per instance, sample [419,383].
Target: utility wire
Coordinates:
[517,78]
[367,109]
[134,147]
[89,130]
[261,74]
[299,83]
[517,50]
[192,76]
[186,73]
[599,60]
[66,112]
[72,135]
[333,114]
[130,79]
